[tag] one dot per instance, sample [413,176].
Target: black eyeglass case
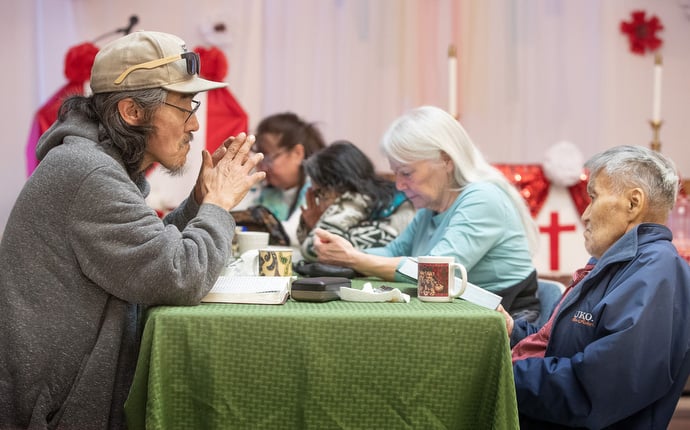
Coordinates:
[319,289]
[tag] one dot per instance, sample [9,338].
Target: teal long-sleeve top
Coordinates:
[481,229]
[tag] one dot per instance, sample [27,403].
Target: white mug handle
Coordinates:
[463,285]
[250,263]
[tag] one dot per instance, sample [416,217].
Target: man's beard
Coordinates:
[181,170]
[177,171]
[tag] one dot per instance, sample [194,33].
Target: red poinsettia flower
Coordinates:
[642,32]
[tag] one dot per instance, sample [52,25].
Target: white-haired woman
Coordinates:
[466,209]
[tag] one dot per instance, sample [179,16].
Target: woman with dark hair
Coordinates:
[286,140]
[349,199]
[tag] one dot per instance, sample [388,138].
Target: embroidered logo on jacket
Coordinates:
[584,318]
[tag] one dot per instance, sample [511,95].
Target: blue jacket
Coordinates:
[619,351]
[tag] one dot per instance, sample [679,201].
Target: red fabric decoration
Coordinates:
[534,186]
[578,192]
[78,62]
[530,182]
[225,116]
[641,32]
[214,65]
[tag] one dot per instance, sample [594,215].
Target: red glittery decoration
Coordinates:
[533,184]
[578,192]
[530,182]
[641,32]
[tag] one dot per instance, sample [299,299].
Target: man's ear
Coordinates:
[130,112]
[637,202]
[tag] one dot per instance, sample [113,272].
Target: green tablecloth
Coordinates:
[334,365]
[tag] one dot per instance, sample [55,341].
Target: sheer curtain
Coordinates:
[530,73]
[532,76]
[353,66]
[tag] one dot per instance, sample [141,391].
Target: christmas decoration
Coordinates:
[225,116]
[550,186]
[533,185]
[78,62]
[563,164]
[530,181]
[641,32]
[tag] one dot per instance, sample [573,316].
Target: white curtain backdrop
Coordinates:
[530,73]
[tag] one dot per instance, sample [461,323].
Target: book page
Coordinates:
[409,269]
[479,296]
[249,289]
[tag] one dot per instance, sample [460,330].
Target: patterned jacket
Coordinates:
[349,217]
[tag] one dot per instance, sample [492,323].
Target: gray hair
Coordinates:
[423,133]
[129,140]
[637,166]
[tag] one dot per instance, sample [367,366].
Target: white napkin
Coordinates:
[370,294]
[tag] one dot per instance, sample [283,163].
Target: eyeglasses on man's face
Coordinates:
[191,59]
[195,103]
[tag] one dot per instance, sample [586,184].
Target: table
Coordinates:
[333,365]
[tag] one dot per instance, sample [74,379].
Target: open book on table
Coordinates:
[474,294]
[268,290]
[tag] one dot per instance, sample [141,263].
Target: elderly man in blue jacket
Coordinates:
[616,350]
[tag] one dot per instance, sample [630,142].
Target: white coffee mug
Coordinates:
[248,240]
[436,279]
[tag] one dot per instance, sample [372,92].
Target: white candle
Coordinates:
[656,103]
[452,82]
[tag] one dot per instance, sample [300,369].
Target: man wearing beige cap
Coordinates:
[82,251]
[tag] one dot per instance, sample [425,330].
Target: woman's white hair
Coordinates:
[423,133]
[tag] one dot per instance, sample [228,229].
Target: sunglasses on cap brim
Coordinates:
[192,59]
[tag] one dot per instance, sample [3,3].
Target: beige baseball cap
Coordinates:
[148,59]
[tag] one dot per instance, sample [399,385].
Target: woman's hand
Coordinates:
[312,212]
[333,249]
[509,320]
